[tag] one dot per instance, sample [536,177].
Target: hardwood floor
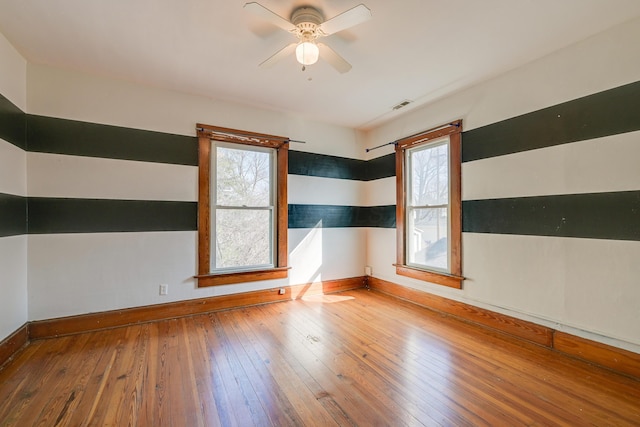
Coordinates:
[353,358]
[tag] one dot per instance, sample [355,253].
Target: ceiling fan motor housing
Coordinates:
[307,20]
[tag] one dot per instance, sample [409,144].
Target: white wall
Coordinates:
[326,253]
[87,272]
[78,96]
[13,180]
[588,287]
[13,74]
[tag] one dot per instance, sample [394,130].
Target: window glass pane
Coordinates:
[242,177]
[427,243]
[429,176]
[242,238]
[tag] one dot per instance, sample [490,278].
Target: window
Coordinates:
[428,209]
[242,206]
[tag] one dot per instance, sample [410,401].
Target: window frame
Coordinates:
[454,277]
[280,270]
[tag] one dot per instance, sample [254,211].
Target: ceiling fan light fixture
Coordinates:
[307,53]
[308,24]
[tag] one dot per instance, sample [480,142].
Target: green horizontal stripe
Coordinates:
[614,216]
[13,215]
[57,215]
[322,165]
[331,216]
[605,113]
[61,136]
[12,123]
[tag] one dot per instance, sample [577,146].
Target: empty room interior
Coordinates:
[320,213]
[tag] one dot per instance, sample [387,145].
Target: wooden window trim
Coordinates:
[454,279]
[206,133]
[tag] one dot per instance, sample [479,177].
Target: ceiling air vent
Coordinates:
[401,105]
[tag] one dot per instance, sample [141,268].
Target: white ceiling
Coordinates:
[416,50]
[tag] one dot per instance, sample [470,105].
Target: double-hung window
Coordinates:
[428,215]
[242,206]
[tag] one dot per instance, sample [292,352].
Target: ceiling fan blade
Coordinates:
[335,60]
[351,17]
[285,51]
[272,17]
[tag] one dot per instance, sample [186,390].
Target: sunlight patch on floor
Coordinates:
[329,299]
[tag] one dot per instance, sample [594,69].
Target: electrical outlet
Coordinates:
[281,291]
[367,270]
[164,289]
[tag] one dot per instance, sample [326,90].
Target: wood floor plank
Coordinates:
[302,404]
[356,358]
[81,367]
[430,357]
[16,381]
[105,383]
[92,395]
[349,398]
[355,367]
[177,405]
[147,380]
[130,376]
[49,387]
[191,384]
[204,374]
[492,365]
[445,407]
[538,367]
[242,400]
[275,402]
[280,345]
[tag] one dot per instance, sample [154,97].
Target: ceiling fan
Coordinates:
[308,25]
